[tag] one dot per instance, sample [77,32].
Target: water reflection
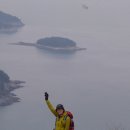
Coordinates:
[56,54]
[10,31]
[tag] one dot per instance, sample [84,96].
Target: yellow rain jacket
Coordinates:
[61,123]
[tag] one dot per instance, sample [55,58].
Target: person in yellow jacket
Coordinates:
[60,114]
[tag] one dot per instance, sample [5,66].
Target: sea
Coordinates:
[93,84]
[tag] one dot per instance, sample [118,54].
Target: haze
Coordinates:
[93,84]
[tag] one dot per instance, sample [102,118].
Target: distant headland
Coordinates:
[56,44]
[9,23]
[6,86]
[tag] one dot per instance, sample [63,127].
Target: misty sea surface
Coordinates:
[93,84]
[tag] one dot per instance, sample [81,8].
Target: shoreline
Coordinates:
[57,49]
[7,97]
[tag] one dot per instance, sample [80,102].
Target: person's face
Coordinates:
[60,111]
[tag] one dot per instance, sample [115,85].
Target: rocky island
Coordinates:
[6,86]
[56,44]
[9,23]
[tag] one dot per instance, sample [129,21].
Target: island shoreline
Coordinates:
[50,48]
[7,97]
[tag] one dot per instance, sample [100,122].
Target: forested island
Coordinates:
[9,22]
[58,44]
[55,44]
[6,86]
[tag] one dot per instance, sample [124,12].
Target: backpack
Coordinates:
[71,120]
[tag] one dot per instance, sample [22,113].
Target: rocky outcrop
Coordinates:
[6,88]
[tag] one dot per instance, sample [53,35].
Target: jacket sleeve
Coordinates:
[67,126]
[52,109]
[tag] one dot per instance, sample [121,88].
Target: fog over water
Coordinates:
[93,84]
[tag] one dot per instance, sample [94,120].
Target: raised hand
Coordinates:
[46,96]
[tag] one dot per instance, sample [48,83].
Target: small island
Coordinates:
[6,86]
[9,23]
[55,44]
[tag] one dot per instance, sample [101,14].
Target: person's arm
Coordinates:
[67,126]
[50,106]
[52,109]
